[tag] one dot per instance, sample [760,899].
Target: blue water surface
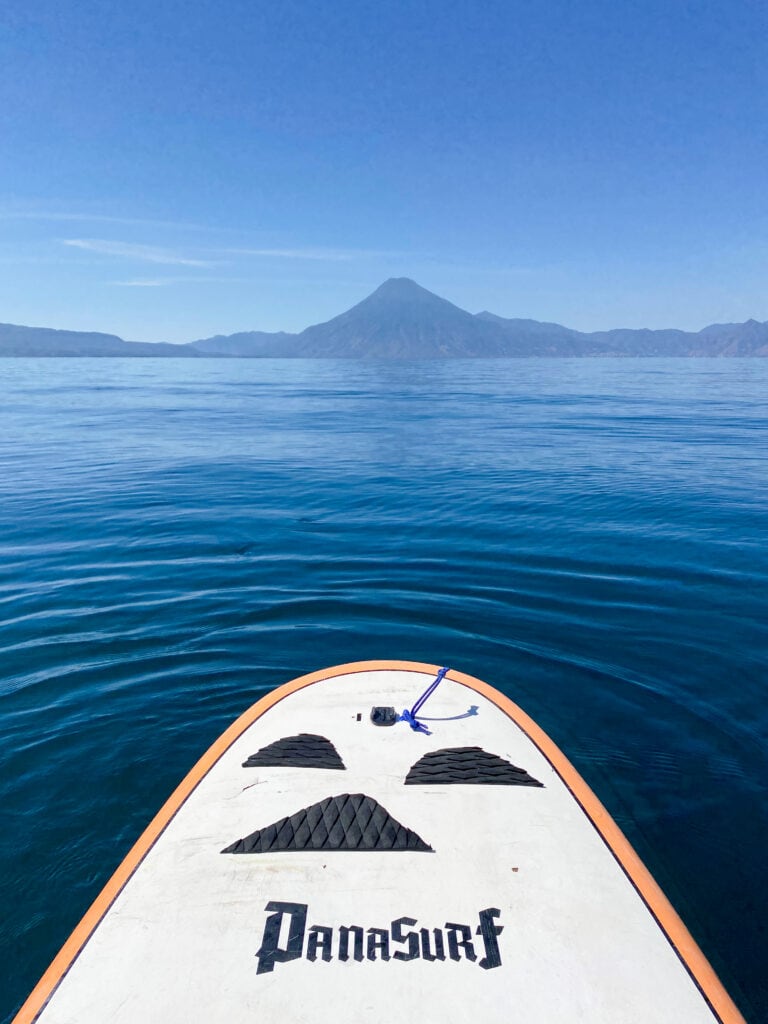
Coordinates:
[178,537]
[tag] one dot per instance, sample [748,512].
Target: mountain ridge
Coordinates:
[402,320]
[16,340]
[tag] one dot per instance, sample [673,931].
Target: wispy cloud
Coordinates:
[132,251]
[84,217]
[313,253]
[161,282]
[333,255]
[145,283]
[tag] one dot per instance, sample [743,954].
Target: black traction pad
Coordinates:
[347,822]
[303,751]
[466,766]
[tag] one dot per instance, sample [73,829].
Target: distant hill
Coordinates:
[535,338]
[44,341]
[248,344]
[402,320]
[718,340]
[747,339]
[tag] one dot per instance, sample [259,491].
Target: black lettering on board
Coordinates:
[269,953]
[426,952]
[410,937]
[378,941]
[489,930]
[344,934]
[455,943]
[319,938]
[289,921]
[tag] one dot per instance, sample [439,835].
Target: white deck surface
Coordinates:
[578,943]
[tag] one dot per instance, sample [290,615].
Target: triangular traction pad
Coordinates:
[303,751]
[466,766]
[346,822]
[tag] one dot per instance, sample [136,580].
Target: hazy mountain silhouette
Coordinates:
[247,343]
[45,341]
[402,320]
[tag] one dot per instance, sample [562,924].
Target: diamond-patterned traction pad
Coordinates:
[467,766]
[347,822]
[303,751]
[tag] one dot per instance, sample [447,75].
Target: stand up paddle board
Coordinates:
[334,859]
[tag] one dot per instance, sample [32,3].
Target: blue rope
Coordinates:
[410,716]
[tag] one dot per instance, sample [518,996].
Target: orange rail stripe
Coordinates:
[697,964]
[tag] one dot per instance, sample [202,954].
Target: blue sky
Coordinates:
[172,170]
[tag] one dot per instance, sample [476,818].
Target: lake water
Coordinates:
[590,536]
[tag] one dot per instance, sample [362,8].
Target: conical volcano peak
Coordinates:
[402,291]
[403,320]
[401,287]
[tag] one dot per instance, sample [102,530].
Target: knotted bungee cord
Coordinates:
[410,716]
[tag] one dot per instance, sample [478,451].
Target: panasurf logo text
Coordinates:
[401,940]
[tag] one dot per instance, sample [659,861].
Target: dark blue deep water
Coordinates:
[590,536]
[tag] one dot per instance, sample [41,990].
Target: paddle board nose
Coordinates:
[525,872]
